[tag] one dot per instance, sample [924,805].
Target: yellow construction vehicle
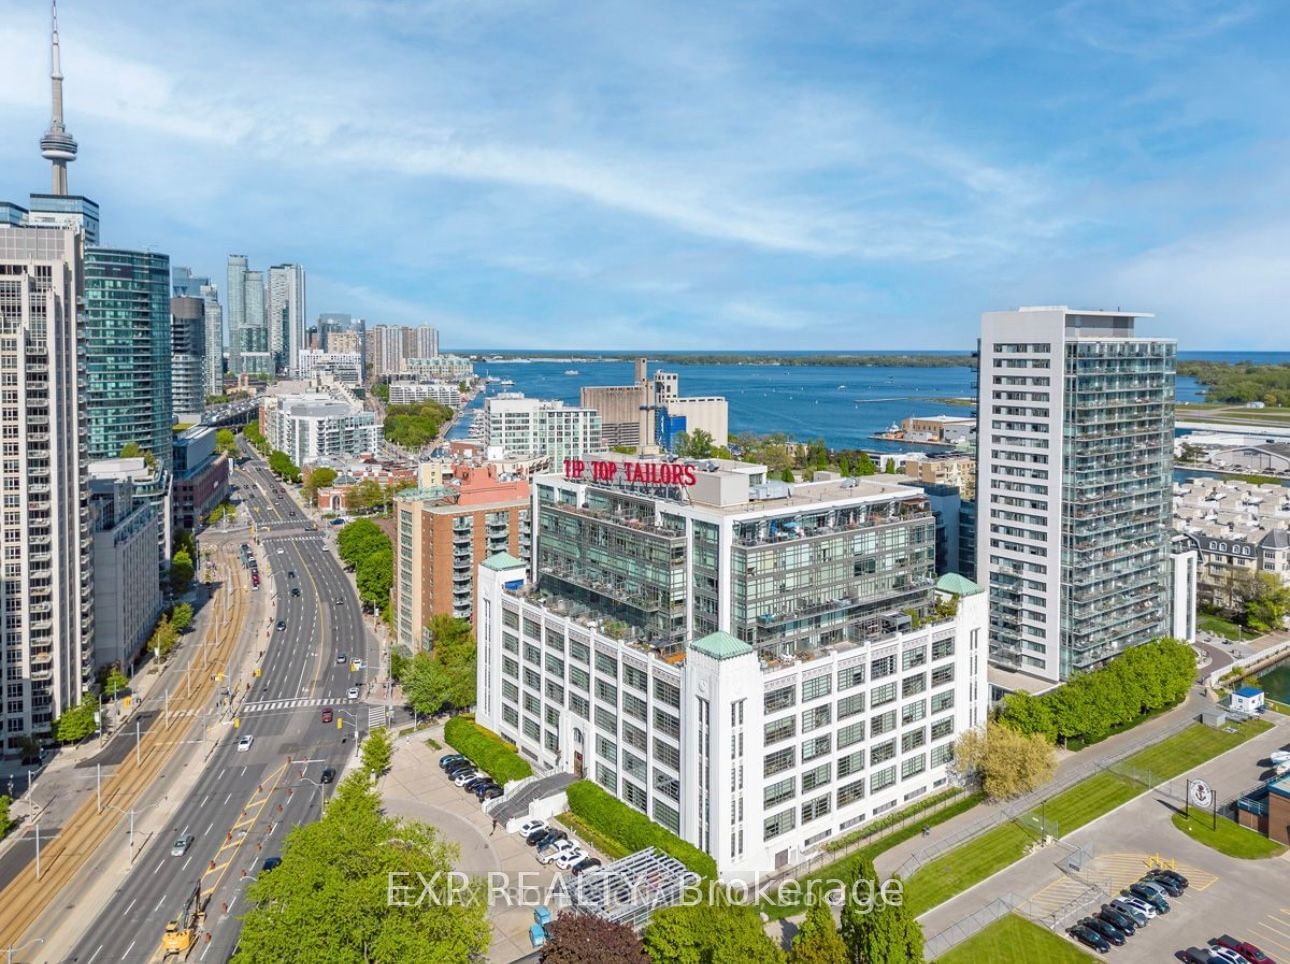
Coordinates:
[181,933]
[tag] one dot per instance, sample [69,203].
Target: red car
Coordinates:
[1244,948]
[327,715]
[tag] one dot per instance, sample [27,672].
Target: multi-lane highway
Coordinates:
[245,800]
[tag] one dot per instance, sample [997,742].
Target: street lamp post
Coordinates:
[14,948]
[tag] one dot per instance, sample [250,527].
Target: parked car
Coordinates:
[479,789]
[1149,894]
[295,590]
[585,864]
[1141,912]
[458,765]
[446,761]
[537,935]
[1244,948]
[1173,875]
[1118,918]
[1090,938]
[1169,886]
[1109,931]
[1227,956]
[482,780]
[356,663]
[553,850]
[1197,955]
[550,836]
[464,777]
[490,792]
[568,858]
[328,775]
[530,827]
[181,845]
[270,863]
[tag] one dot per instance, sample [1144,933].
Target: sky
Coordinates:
[676,175]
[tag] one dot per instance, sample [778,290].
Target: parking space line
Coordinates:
[1264,938]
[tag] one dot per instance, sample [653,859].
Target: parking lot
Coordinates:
[416,787]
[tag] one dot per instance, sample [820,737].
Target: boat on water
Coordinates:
[572,371]
[504,382]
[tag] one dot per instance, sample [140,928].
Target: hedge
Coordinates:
[486,750]
[633,829]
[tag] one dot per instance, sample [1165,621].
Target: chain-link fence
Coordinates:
[961,930]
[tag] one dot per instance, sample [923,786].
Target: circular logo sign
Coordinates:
[1200,793]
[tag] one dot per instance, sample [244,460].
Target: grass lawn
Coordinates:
[1014,940]
[1230,838]
[1219,626]
[956,871]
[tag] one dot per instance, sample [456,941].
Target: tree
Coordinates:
[377,751]
[1265,600]
[710,933]
[5,822]
[115,681]
[445,676]
[400,659]
[181,616]
[588,939]
[879,930]
[1027,714]
[694,445]
[818,940]
[1008,763]
[280,464]
[350,888]
[358,539]
[891,467]
[133,450]
[181,572]
[76,724]
[787,476]
[374,575]
[226,442]
[817,455]
[318,478]
[365,496]
[164,638]
[381,390]
[184,541]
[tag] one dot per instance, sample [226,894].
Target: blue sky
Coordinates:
[690,175]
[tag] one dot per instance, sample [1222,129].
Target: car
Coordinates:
[328,714]
[465,777]
[295,590]
[356,663]
[551,851]
[291,574]
[490,793]
[269,864]
[1109,931]
[328,775]
[281,550]
[341,659]
[1118,918]
[537,935]
[1244,948]
[457,765]
[446,761]
[529,827]
[585,864]
[1140,911]
[480,780]
[1090,938]
[352,693]
[1196,955]
[281,625]
[1149,894]
[550,837]
[567,858]
[1162,888]
[244,743]
[1173,875]
[1227,956]
[181,845]
[1170,884]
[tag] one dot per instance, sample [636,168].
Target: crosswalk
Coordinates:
[264,706]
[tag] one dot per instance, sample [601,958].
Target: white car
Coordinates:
[244,744]
[280,551]
[181,845]
[530,827]
[1227,955]
[552,851]
[1141,906]
[352,693]
[568,858]
[465,777]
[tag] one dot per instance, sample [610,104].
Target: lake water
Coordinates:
[1276,683]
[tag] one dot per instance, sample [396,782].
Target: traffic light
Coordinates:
[340,723]
[237,722]
[257,671]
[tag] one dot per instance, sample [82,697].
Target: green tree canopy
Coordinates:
[181,572]
[338,894]
[360,538]
[374,576]
[381,390]
[818,940]
[226,442]
[318,478]
[115,681]
[710,933]
[75,724]
[377,751]
[181,616]
[444,676]
[1008,763]
[695,445]
[881,931]
[417,425]
[280,464]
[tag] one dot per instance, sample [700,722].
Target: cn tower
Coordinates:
[57,146]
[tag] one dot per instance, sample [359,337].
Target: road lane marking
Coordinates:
[95,954]
[127,910]
[126,955]
[210,828]
[160,900]
[229,797]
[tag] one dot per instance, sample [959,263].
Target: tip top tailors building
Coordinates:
[759,667]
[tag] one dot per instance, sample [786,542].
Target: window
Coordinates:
[883,723]
[635,706]
[607,749]
[532,654]
[555,665]
[817,717]
[820,746]
[913,685]
[532,704]
[884,694]
[607,665]
[942,754]
[943,648]
[779,761]
[780,699]
[511,715]
[882,752]
[779,823]
[510,691]
[851,733]
[666,784]
[551,741]
[635,795]
[667,724]
[886,666]
[531,629]
[579,678]
[777,793]
[579,706]
[531,728]
[606,720]
[555,692]
[667,816]
[851,763]
[942,728]
[607,778]
[667,754]
[635,736]
[815,809]
[579,651]
[510,667]
[913,712]
[912,658]
[942,701]
[913,740]
[815,777]
[882,780]
[636,678]
[606,691]
[850,677]
[913,766]
[510,642]
[669,694]
[943,675]
[850,705]
[813,689]
[850,793]
[780,730]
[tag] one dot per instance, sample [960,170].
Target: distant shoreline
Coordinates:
[840,360]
